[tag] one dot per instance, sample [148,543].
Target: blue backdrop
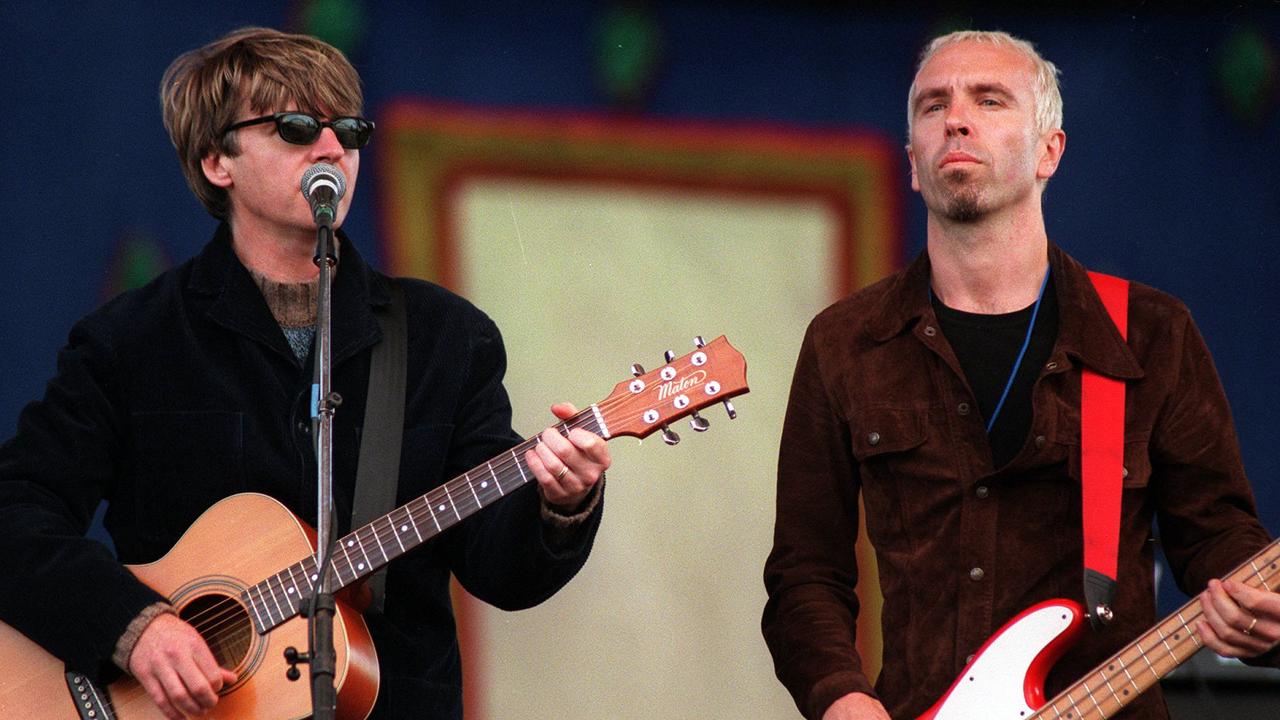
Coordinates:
[1162,181]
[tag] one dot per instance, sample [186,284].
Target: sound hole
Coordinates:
[224,624]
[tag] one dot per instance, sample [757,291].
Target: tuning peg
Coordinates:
[669,436]
[698,423]
[698,341]
[669,355]
[728,407]
[637,369]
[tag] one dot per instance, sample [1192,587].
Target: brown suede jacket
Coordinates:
[879,404]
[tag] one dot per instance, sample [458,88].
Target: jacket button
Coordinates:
[304,427]
[982,492]
[1040,441]
[930,330]
[1124,472]
[1051,365]
[873,438]
[976,574]
[969,659]
[963,408]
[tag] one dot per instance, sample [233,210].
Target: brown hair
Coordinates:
[258,69]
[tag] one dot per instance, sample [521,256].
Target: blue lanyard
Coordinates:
[1031,326]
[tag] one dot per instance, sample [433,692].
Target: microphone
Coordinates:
[323,185]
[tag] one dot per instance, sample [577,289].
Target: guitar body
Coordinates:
[1005,680]
[230,547]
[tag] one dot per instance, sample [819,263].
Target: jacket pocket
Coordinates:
[886,443]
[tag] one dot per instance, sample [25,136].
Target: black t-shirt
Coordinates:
[987,346]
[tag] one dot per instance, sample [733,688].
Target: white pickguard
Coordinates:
[993,685]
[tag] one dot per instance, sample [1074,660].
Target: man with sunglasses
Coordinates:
[196,387]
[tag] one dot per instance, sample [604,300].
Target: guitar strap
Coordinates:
[378,469]
[1102,463]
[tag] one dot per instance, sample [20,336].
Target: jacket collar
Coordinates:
[1085,330]
[237,303]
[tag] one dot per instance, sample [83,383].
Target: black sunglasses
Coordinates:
[302,129]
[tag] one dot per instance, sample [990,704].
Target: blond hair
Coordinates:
[1044,84]
[258,70]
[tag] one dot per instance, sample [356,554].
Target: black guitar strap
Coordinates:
[378,468]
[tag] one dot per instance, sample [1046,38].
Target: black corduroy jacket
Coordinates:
[173,396]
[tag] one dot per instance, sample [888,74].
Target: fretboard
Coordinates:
[365,550]
[1142,663]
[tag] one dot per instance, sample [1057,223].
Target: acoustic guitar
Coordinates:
[231,586]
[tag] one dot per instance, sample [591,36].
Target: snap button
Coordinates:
[930,331]
[1124,472]
[982,492]
[873,438]
[976,574]
[1040,441]
[963,408]
[1052,365]
[969,659]
[303,427]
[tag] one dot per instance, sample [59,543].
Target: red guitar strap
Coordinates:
[1102,462]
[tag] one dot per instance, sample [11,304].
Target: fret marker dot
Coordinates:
[484,484]
[441,508]
[351,543]
[313,578]
[404,528]
[359,566]
[289,590]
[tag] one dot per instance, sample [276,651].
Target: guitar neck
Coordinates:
[1142,663]
[367,549]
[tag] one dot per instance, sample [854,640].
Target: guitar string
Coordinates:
[1193,611]
[230,612]
[1109,694]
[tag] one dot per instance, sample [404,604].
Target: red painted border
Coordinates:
[821,148]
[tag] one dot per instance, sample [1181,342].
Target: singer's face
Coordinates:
[262,181]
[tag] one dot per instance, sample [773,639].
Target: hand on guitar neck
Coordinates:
[856,706]
[174,665]
[567,468]
[1239,621]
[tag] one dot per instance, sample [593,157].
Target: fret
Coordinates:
[412,523]
[337,571]
[1089,694]
[381,548]
[353,541]
[292,590]
[1258,574]
[274,599]
[1124,667]
[451,502]
[472,487]
[254,606]
[364,566]
[1167,649]
[601,429]
[519,466]
[496,481]
[1187,627]
[431,510]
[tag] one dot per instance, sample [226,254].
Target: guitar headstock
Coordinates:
[712,373]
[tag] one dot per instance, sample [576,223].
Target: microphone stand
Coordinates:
[322,657]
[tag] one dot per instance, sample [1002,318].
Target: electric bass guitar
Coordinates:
[1005,680]
[233,590]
